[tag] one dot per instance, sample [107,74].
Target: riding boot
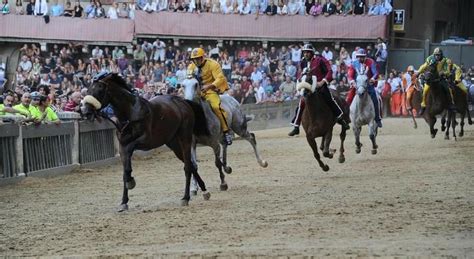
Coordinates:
[336,110]
[228,138]
[296,121]
[295,131]
[422,111]
[373,96]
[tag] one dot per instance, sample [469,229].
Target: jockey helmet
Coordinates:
[361,53]
[308,47]
[438,53]
[197,53]
[410,68]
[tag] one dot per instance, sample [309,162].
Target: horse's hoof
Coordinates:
[433,135]
[194,192]
[224,187]
[342,159]
[325,168]
[374,151]
[461,134]
[443,128]
[415,126]
[184,202]
[206,195]
[376,146]
[122,207]
[328,155]
[131,184]
[264,164]
[228,169]
[446,137]
[357,150]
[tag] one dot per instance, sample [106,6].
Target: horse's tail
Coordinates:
[200,123]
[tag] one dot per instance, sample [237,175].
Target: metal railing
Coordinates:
[26,149]
[96,141]
[8,158]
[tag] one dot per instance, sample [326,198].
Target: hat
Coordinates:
[35,95]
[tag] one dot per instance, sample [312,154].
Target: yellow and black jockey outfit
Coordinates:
[213,82]
[444,66]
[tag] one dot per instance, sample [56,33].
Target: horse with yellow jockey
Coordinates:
[445,68]
[213,82]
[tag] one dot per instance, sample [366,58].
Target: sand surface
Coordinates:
[415,198]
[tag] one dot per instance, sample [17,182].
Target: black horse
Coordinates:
[437,100]
[462,107]
[144,125]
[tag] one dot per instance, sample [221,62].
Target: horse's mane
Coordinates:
[117,79]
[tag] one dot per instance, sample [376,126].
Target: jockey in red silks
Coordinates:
[364,65]
[318,66]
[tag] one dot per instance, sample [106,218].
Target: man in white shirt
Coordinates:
[159,48]
[41,8]
[259,93]
[295,55]
[244,7]
[327,54]
[25,64]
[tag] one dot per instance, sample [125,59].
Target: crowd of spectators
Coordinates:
[259,7]
[255,74]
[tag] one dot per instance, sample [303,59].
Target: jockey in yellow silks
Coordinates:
[213,82]
[444,67]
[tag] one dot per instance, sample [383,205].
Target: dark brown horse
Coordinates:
[462,107]
[318,121]
[437,100]
[144,125]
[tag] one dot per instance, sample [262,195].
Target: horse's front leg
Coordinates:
[190,169]
[453,124]
[128,181]
[218,163]
[327,142]
[448,124]
[357,130]
[443,121]
[342,136]
[373,136]
[227,169]
[463,115]
[314,147]
[432,121]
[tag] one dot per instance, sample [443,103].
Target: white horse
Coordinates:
[362,113]
[237,121]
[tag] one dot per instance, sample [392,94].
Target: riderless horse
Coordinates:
[144,125]
[237,123]
[318,121]
[362,113]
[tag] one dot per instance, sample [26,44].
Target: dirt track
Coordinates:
[415,197]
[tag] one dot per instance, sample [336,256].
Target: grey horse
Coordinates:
[237,124]
[362,112]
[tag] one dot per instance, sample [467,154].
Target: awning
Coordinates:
[285,28]
[66,28]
